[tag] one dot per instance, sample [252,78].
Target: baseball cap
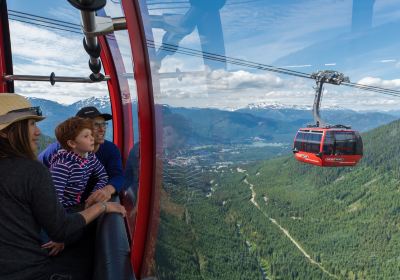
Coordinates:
[92,112]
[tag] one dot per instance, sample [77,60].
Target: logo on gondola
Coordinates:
[304,156]
[334,159]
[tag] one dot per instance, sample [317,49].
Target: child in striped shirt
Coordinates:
[72,166]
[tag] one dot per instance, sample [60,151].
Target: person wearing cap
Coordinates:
[106,152]
[28,198]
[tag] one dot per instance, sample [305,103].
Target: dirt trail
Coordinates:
[285,231]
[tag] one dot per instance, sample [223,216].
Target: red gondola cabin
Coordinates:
[328,146]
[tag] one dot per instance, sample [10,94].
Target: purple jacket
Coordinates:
[71,172]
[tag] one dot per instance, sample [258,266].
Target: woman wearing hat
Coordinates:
[27,196]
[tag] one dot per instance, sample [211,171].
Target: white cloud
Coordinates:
[378,82]
[297,66]
[64,93]
[241,79]
[224,81]
[228,90]
[38,51]
[46,51]
[387,60]
[233,89]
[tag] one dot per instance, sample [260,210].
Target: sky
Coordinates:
[359,38]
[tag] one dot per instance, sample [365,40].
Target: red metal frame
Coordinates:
[147,211]
[121,106]
[5,50]
[120,98]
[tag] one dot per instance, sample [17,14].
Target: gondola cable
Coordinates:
[197,53]
[45,18]
[13,16]
[42,25]
[220,58]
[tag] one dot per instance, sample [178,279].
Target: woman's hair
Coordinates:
[14,141]
[70,129]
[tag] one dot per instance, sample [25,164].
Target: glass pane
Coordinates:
[121,48]
[234,202]
[40,47]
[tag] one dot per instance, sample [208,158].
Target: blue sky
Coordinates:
[60,9]
[304,35]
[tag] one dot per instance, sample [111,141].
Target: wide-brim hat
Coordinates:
[92,112]
[14,107]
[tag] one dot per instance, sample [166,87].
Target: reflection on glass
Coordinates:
[200,15]
[362,15]
[234,204]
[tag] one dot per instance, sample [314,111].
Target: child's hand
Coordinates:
[54,247]
[98,196]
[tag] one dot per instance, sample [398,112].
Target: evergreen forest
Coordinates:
[281,219]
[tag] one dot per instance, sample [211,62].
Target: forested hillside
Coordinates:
[347,219]
[196,238]
[288,220]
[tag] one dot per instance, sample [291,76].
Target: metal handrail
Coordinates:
[52,78]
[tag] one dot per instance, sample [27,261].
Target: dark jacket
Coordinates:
[28,203]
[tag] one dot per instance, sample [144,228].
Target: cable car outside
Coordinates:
[326,145]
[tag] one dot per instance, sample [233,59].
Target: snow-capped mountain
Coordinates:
[102,102]
[271,122]
[279,106]
[275,106]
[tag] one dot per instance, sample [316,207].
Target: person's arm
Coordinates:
[114,169]
[47,209]
[60,174]
[110,157]
[100,195]
[91,213]
[50,214]
[100,192]
[46,155]
[100,173]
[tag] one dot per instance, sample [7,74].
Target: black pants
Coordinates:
[77,259]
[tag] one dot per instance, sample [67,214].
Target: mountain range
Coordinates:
[199,126]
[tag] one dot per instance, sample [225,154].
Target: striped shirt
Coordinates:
[71,172]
